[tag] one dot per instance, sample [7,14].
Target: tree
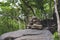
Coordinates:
[57,15]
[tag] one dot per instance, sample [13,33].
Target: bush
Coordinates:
[56,37]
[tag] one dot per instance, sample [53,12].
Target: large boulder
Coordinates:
[0,38]
[28,34]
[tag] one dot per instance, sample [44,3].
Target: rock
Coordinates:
[29,34]
[0,38]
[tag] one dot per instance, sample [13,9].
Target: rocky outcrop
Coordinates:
[28,34]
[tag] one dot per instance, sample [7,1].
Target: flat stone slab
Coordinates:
[29,34]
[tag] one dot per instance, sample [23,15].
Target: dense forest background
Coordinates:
[15,14]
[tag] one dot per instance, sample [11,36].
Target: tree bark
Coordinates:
[57,15]
[58,7]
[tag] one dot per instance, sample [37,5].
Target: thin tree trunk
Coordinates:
[57,15]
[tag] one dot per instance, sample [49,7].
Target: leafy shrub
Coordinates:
[56,37]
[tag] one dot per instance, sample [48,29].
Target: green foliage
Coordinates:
[56,36]
[12,9]
[7,24]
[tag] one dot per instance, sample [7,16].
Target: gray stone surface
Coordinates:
[35,37]
[0,38]
[29,34]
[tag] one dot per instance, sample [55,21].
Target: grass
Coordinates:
[56,37]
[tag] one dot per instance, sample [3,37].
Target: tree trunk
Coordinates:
[58,6]
[57,15]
